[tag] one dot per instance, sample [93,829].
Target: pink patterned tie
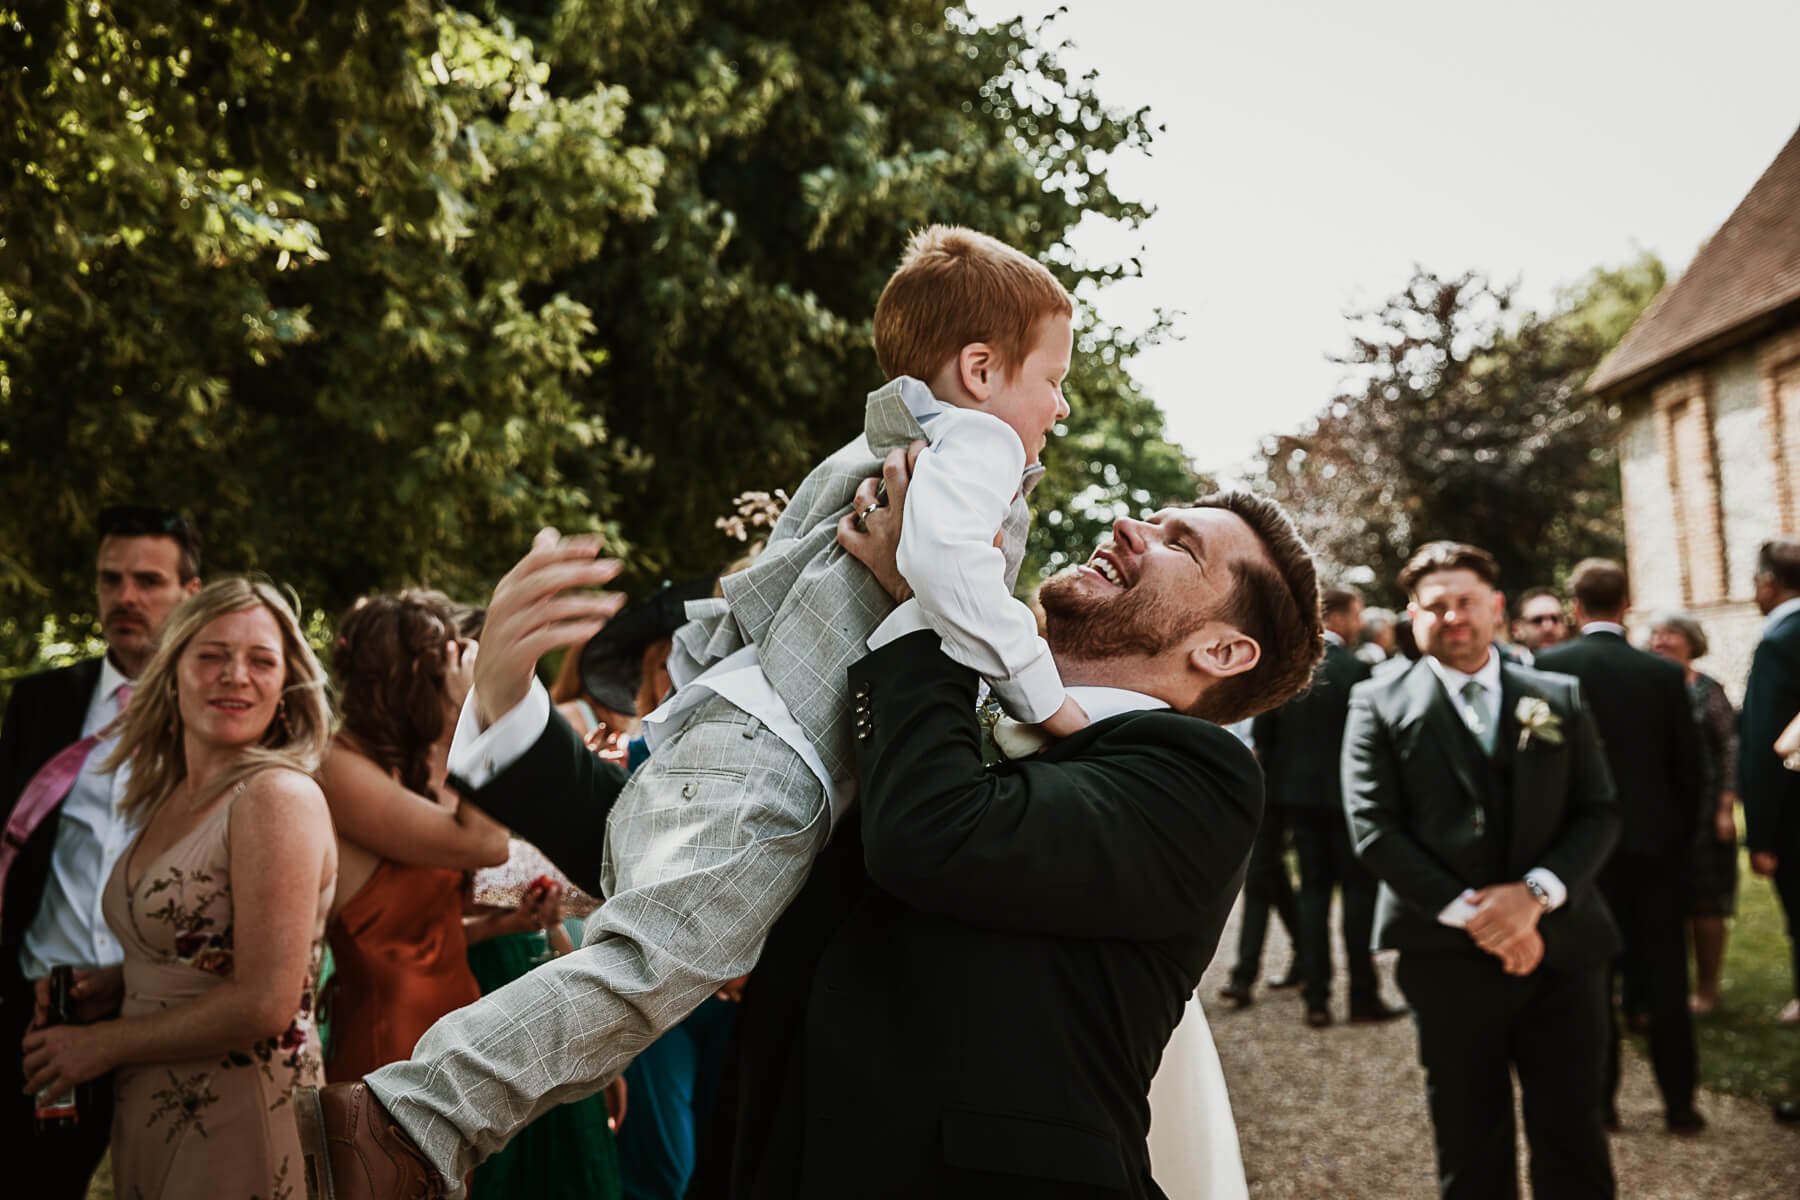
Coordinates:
[48,789]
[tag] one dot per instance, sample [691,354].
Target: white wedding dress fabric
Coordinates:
[1193,1139]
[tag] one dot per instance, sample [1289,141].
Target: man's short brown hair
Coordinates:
[1274,600]
[1433,557]
[1779,559]
[955,286]
[1599,586]
[1539,592]
[1339,599]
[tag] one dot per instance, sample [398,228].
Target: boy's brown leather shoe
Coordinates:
[355,1151]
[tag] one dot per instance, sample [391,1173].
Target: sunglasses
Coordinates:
[1545,619]
[128,519]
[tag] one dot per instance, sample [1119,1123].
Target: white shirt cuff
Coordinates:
[1459,911]
[1035,693]
[905,619]
[1553,887]
[1456,914]
[477,754]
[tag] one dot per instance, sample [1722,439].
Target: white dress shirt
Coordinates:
[962,487]
[91,835]
[1458,912]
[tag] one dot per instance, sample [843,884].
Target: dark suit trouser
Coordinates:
[1648,896]
[1474,1023]
[1322,843]
[63,1163]
[1266,886]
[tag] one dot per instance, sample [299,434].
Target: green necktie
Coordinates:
[1474,710]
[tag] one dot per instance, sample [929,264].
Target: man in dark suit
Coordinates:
[61,851]
[1301,745]
[1478,794]
[1640,707]
[1002,958]
[1267,890]
[1771,794]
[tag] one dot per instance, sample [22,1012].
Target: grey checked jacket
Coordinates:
[806,605]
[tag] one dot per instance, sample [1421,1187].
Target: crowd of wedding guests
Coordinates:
[1679,754]
[252,858]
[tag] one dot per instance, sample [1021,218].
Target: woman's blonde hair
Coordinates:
[151,729]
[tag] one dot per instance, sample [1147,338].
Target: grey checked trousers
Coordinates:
[706,845]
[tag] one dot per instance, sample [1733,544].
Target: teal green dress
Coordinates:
[567,1152]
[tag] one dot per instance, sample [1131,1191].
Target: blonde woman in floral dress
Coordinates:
[220,904]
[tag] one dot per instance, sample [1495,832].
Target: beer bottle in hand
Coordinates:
[57,1113]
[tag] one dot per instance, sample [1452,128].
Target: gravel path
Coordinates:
[1340,1113]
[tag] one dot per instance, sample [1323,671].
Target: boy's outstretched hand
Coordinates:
[1067,719]
[538,607]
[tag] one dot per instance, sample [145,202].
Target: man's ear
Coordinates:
[1499,609]
[978,368]
[191,586]
[1224,652]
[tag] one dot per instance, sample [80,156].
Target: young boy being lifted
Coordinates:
[713,836]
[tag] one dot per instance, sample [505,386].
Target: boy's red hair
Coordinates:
[955,286]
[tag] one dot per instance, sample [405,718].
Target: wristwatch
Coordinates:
[1538,892]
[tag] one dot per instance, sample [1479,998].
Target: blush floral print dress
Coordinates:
[219,1126]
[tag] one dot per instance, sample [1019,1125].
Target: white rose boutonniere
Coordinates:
[1536,720]
[1016,740]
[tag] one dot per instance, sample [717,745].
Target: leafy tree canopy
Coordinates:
[1468,421]
[374,290]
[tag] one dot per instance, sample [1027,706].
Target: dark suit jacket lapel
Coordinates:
[72,705]
[1527,774]
[1426,695]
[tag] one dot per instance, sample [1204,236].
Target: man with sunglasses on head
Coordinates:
[62,828]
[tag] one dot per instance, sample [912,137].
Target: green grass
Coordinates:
[1742,1050]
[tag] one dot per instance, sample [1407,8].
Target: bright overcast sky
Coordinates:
[1314,151]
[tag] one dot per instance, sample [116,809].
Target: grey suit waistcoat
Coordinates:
[806,605]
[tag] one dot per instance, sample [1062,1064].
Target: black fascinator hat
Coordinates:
[612,661]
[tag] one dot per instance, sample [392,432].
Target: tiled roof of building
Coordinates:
[1748,269]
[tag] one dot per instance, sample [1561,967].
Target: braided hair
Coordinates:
[390,659]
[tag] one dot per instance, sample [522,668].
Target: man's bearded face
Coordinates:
[1087,623]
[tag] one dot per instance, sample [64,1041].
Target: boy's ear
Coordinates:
[977,367]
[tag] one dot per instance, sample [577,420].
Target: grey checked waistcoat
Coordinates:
[806,605]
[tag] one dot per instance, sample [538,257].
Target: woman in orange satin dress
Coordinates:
[404,840]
